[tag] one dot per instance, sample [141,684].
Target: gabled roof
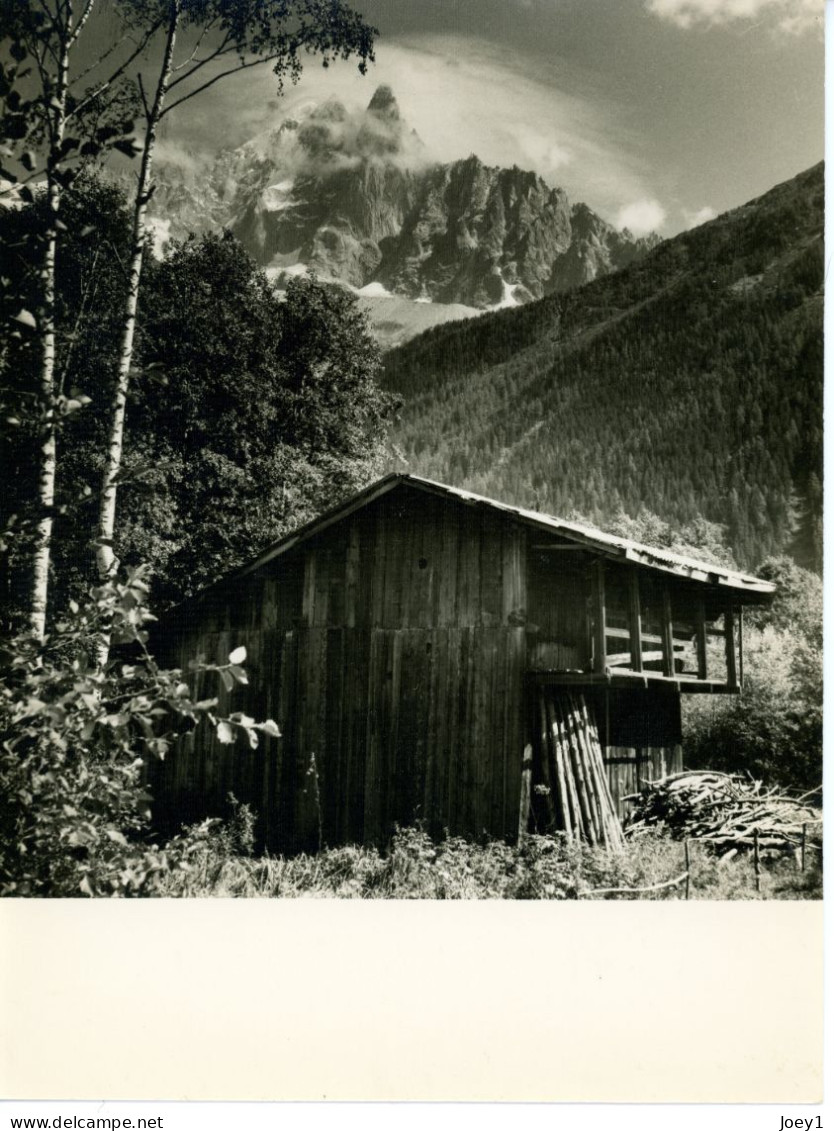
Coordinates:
[597,541]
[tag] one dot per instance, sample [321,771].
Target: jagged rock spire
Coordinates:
[384,102]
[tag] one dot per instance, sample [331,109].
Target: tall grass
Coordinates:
[543,867]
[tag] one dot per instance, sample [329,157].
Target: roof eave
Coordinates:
[619,549]
[755,589]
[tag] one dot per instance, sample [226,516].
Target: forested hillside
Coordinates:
[688,384]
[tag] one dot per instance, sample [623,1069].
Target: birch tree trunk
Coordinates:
[48,448]
[105,554]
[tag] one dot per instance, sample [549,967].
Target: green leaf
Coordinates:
[129,146]
[225,734]
[271,728]
[238,656]
[239,674]
[25,318]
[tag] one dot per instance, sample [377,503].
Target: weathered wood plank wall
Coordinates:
[391,649]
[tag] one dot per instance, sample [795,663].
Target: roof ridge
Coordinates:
[571,526]
[651,557]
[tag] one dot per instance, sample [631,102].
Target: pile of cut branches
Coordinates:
[727,811]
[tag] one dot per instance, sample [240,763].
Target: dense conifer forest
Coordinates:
[688,385]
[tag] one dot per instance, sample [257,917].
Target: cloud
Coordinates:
[190,163]
[701,216]
[160,232]
[641,217]
[792,16]
[462,96]
[321,138]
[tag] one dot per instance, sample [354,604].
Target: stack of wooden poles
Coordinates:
[576,798]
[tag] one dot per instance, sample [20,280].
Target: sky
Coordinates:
[658,113]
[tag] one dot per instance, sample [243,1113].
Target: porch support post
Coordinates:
[666,634]
[599,626]
[730,645]
[741,646]
[701,638]
[635,622]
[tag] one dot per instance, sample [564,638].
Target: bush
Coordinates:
[75,737]
[773,730]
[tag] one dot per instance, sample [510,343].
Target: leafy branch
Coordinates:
[75,739]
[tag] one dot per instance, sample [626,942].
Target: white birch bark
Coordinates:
[105,554]
[48,449]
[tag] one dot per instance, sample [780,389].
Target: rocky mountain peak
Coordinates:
[330,111]
[583,217]
[384,102]
[384,132]
[353,195]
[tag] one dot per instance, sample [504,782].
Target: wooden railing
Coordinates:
[659,652]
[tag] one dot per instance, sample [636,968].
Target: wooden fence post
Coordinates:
[524,806]
[756,861]
[686,860]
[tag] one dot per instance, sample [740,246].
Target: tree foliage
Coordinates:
[55,119]
[76,726]
[68,116]
[248,414]
[89,287]
[272,408]
[697,538]
[773,730]
[74,739]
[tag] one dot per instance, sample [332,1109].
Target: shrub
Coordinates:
[773,730]
[74,740]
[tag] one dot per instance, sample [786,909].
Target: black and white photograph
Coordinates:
[412,451]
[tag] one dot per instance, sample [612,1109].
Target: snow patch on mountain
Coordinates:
[278,197]
[375,290]
[508,296]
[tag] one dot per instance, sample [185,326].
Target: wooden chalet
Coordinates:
[416,641]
